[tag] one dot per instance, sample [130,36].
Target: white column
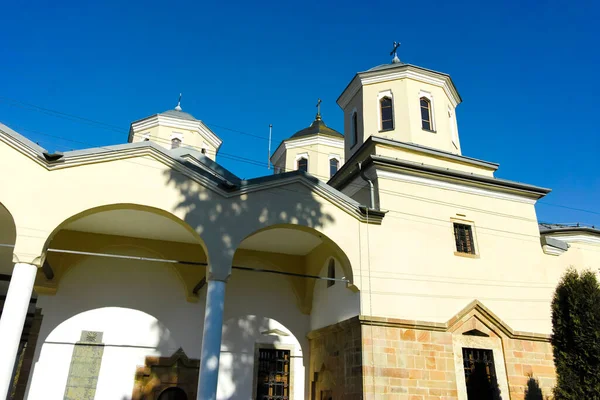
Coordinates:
[211,340]
[13,319]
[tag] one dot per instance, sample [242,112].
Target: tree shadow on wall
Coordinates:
[237,369]
[533,390]
[223,222]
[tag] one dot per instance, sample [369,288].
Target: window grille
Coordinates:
[273,380]
[480,374]
[463,235]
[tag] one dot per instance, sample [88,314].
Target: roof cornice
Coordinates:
[435,152]
[535,192]
[201,170]
[368,147]
[302,141]
[400,72]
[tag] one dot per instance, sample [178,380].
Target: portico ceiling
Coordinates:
[133,223]
[282,240]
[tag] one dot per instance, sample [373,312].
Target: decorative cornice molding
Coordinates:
[575,238]
[483,313]
[289,144]
[405,71]
[475,305]
[552,251]
[455,186]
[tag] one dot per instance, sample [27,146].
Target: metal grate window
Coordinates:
[463,235]
[480,374]
[273,381]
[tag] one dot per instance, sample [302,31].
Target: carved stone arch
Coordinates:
[161,373]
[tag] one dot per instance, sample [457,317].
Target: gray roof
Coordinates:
[318,127]
[546,228]
[179,114]
[400,65]
[364,154]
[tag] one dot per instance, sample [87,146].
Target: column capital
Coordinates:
[219,275]
[29,250]
[219,268]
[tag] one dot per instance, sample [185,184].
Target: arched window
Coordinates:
[387,119]
[334,165]
[354,129]
[173,393]
[175,143]
[303,164]
[331,272]
[426,122]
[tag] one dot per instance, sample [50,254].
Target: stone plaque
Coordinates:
[85,367]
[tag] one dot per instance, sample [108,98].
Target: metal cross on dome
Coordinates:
[394,53]
[319,109]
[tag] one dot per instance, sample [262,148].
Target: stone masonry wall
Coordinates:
[383,358]
[335,364]
[525,358]
[408,364]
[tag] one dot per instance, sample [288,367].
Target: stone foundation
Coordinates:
[384,358]
[335,368]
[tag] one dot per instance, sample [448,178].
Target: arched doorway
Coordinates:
[173,393]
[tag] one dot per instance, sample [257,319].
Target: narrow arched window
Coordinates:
[303,164]
[175,143]
[334,165]
[331,273]
[387,119]
[426,122]
[354,128]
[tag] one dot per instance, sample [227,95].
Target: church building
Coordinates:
[374,263]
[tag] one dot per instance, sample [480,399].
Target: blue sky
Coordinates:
[526,73]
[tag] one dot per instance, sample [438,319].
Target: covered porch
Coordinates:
[131,305]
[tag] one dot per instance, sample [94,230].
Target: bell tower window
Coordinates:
[175,143]
[426,121]
[302,164]
[334,165]
[387,119]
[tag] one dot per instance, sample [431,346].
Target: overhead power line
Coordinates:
[232,157]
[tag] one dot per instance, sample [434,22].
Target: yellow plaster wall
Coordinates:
[423,278]
[318,158]
[355,103]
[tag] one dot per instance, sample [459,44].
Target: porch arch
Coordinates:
[294,249]
[8,238]
[154,232]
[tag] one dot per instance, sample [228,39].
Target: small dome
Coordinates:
[179,114]
[318,127]
[386,66]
